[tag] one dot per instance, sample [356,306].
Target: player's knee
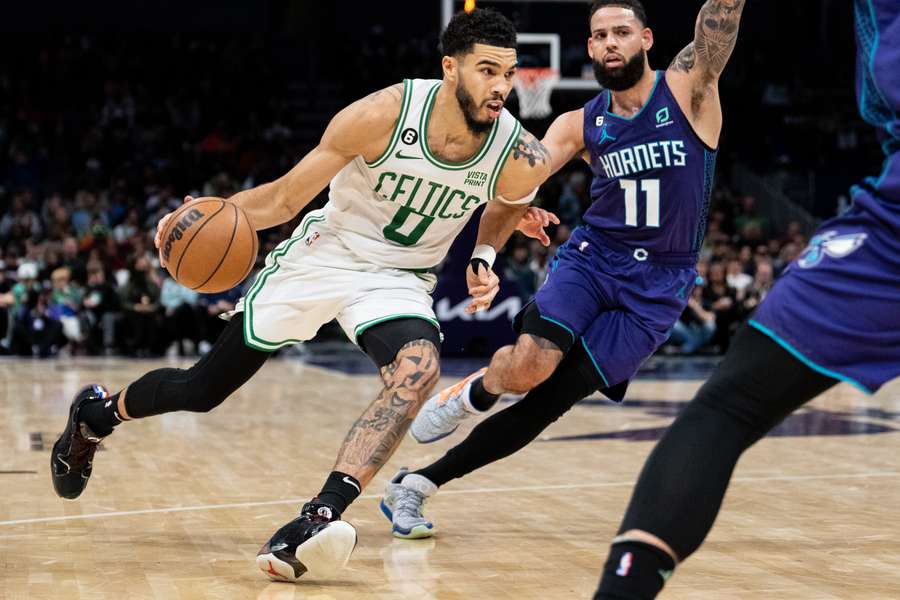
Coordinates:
[203,394]
[427,377]
[530,366]
[416,370]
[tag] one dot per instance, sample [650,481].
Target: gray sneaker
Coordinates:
[442,413]
[404,496]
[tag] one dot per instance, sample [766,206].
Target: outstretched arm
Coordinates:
[715,35]
[362,128]
[358,129]
[693,76]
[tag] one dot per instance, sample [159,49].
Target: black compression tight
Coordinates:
[221,371]
[681,487]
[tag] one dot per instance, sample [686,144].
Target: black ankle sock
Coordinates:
[340,490]
[634,571]
[481,398]
[101,416]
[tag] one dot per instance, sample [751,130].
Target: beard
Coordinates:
[469,110]
[621,78]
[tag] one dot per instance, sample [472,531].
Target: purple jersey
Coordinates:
[652,174]
[836,306]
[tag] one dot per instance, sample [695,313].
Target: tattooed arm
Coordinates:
[715,35]
[526,168]
[694,74]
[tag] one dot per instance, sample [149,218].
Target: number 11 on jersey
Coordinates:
[650,187]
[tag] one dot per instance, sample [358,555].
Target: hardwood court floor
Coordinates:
[179,505]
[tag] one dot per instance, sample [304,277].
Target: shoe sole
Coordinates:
[322,555]
[431,440]
[419,532]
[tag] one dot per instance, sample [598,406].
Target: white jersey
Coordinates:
[404,209]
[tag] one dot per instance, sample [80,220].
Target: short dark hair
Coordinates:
[481,26]
[635,5]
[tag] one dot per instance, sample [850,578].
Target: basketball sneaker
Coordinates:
[71,459]
[404,496]
[317,542]
[442,413]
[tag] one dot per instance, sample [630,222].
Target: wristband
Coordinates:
[486,253]
[483,253]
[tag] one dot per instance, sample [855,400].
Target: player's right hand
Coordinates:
[534,221]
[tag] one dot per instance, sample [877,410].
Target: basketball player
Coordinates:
[616,288]
[832,317]
[408,166]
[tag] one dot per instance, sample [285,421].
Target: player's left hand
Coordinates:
[483,287]
[534,221]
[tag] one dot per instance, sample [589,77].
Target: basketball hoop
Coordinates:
[533,87]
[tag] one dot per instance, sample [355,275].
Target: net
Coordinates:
[533,87]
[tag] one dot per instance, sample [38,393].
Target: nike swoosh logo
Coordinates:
[399,155]
[348,481]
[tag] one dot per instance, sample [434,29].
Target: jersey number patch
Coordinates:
[650,187]
[407,227]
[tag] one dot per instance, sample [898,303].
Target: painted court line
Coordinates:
[524,488]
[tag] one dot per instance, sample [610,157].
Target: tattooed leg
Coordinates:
[377,433]
[521,368]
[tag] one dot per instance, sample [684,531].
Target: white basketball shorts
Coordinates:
[313,278]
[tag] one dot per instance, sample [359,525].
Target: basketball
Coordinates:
[209,245]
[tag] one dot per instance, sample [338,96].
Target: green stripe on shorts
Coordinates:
[250,337]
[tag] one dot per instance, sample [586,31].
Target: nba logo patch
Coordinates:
[624,565]
[831,244]
[311,239]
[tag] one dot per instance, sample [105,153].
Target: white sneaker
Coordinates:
[404,496]
[442,413]
[317,542]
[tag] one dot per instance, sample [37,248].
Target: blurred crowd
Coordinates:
[99,137]
[81,275]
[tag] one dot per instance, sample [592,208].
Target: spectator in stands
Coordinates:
[762,283]
[6,303]
[102,306]
[20,223]
[574,199]
[71,258]
[140,304]
[130,227]
[519,271]
[721,300]
[736,278]
[749,224]
[182,323]
[65,307]
[697,324]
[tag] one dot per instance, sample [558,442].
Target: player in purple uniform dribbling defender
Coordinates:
[833,316]
[620,283]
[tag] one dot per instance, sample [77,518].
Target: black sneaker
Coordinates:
[317,542]
[70,460]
